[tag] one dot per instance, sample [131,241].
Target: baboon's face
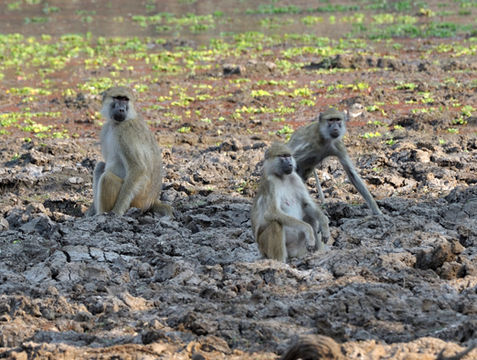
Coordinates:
[119,108]
[287,164]
[335,127]
[332,124]
[279,160]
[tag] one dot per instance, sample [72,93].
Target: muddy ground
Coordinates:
[138,286]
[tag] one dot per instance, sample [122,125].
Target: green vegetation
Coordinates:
[48,68]
[184,129]
[467,110]
[370,135]
[272,9]
[406,86]
[165,22]
[285,130]
[25,121]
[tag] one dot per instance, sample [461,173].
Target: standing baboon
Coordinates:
[312,143]
[131,175]
[285,219]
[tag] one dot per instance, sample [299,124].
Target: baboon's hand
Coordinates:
[309,233]
[325,233]
[119,210]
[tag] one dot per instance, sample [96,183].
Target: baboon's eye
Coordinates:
[121,98]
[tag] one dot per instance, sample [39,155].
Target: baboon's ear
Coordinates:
[104,94]
[133,95]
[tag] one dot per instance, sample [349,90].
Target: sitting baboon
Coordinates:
[131,175]
[285,219]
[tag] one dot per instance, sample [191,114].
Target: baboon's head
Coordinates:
[333,124]
[279,160]
[118,103]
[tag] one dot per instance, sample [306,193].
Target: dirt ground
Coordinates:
[138,286]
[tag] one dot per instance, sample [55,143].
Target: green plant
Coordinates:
[372,108]
[311,20]
[459,121]
[36,20]
[16,5]
[184,129]
[259,93]
[426,12]
[370,135]
[272,9]
[376,123]
[406,86]
[285,130]
[467,110]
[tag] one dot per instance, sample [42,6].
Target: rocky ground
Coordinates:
[138,286]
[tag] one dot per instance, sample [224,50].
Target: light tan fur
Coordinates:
[312,143]
[131,175]
[284,217]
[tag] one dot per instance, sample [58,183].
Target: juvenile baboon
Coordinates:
[312,143]
[285,219]
[313,348]
[131,174]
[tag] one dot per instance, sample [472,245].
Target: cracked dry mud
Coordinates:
[143,287]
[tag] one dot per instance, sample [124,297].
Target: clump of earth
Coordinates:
[401,286]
